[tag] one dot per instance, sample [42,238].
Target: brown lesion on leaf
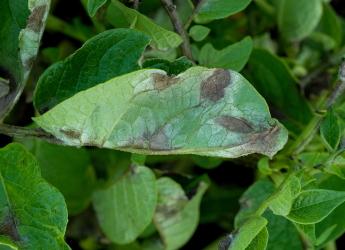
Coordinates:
[238,125]
[72,134]
[213,88]
[8,227]
[35,20]
[162,82]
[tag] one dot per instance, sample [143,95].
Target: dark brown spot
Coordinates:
[162,82]
[73,134]
[35,20]
[234,124]
[9,228]
[213,88]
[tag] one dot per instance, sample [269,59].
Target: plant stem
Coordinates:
[313,126]
[195,11]
[23,132]
[178,26]
[136,4]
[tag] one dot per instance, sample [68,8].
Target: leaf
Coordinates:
[310,232]
[260,241]
[22,24]
[172,68]
[314,205]
[234,57]
[68,169]
[153,114]
[249,233]
[33,214]
[121,16]
[282,203]
[298,18]
[199,32]
[218,9]
[109,54]
[336,166]
[330,130]
[94,5]
[272,78]
[126,208]
[176,217]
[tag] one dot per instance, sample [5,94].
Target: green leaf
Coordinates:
[282,203]
[176,217]
[218,9]
[22,24]
[126,208]
[272,78]
[148,112]
[68,169]
[298,18]
[234,57]
[121,16]
[109,54]
[199,32]
[313,206]
[249,234]
[33,214]
[330,130]
[336,166]
[94,5]
[172,68]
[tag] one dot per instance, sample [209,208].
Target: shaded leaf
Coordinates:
[22,24]
[314,205]
[176,217]
[109,54]
[218,9]
[298,18]
[199,32]
[94,5]
[330,130]
[121,16]
[33,214]
[152,115]
[126,208]
[172,68]
[234,57]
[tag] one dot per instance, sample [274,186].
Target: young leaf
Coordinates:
[121,16]
[172,68]
[330,130]
[33,214]
[202,111]
[109,54]
[68,169]
[199,32]
[126,208]
[22,24]
[234,57]
[298,18]
[314,205]
[176,217]
[218,9]
[249,234]
[94,5]
[336,166]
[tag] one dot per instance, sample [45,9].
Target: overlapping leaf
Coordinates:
[212,112]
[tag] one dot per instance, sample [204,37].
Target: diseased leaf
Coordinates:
[33,214]
[176,217]
[249,233]
[109,54]
[202,111]
[234,57]
[22,24]
[126,208]
[121,16]
[218,9]
[298,18]
[313,206]
[172,68]
[68,169]
[94,5]
[330,130]
[199,32]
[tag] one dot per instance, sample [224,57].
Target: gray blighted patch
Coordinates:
[35,20]
[162,81]
[234,124]
[213,88]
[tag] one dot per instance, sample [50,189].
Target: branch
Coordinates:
[136,4]
[22,132]
[195,11]
[178,26]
